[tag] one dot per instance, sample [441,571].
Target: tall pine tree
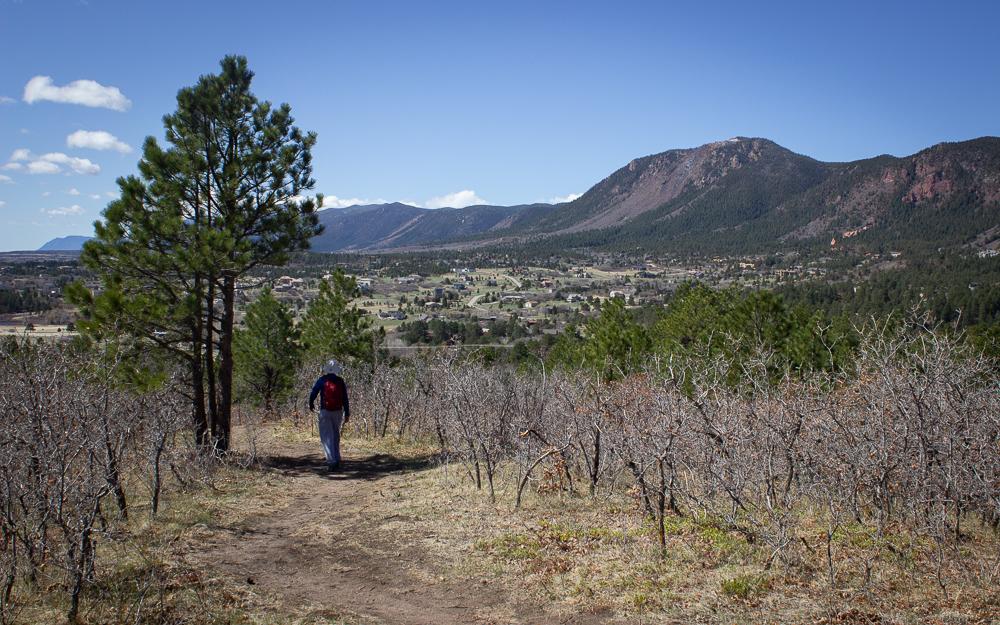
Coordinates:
[223,198]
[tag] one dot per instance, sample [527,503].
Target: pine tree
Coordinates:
[333,328]
[225,197]
[266,351]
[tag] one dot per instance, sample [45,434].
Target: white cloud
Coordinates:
[75,209]
[97,140]
[95,196]
[85,92]
[43,167]
[78,165]
[6,179]
[52,163]
[332,201]
[458,199]
[564,198]
[74,191]
[46,193]
[2,203]
[6,100]
[111,194]
[12,166]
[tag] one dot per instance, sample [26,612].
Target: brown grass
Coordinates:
[601,556]
[571,552]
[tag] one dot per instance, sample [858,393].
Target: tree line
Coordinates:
[23,300]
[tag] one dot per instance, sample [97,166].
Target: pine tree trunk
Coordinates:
[197,386]
[210,370]
[226,362]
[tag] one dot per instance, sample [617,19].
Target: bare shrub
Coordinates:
[896,458]
[69,437]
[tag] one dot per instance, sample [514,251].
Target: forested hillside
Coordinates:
[737,196]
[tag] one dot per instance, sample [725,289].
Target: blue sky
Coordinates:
[506,102]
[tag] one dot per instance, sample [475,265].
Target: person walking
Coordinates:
[334,410]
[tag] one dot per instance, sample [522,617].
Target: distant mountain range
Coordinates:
[742,195]
[65,244]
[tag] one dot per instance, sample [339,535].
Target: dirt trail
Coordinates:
[339,550]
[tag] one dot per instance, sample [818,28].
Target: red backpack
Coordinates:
[333,394]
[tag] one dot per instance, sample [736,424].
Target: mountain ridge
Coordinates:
[740,194]
[70,243]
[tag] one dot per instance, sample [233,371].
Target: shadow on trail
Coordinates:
[370,468]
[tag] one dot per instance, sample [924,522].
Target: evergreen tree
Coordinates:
[333,328]
[225,197]
[613,343]
[266,351]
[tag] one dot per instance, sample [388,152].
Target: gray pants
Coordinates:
[329,432]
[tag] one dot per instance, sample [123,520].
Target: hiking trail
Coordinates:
[341,549]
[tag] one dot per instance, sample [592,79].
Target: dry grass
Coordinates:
[571,552]
[599,556]
[150,572]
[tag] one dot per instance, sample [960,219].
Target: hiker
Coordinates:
[334,410]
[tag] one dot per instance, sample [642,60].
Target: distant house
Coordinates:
[287,283]
[574,297]
[616,294]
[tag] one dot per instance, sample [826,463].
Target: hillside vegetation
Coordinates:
[744,195]
[713,486]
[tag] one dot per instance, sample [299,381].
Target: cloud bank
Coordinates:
[97,140]
[83,92]
[51,163]
[332,201]
[564,198]
[458,199]
[61,211]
